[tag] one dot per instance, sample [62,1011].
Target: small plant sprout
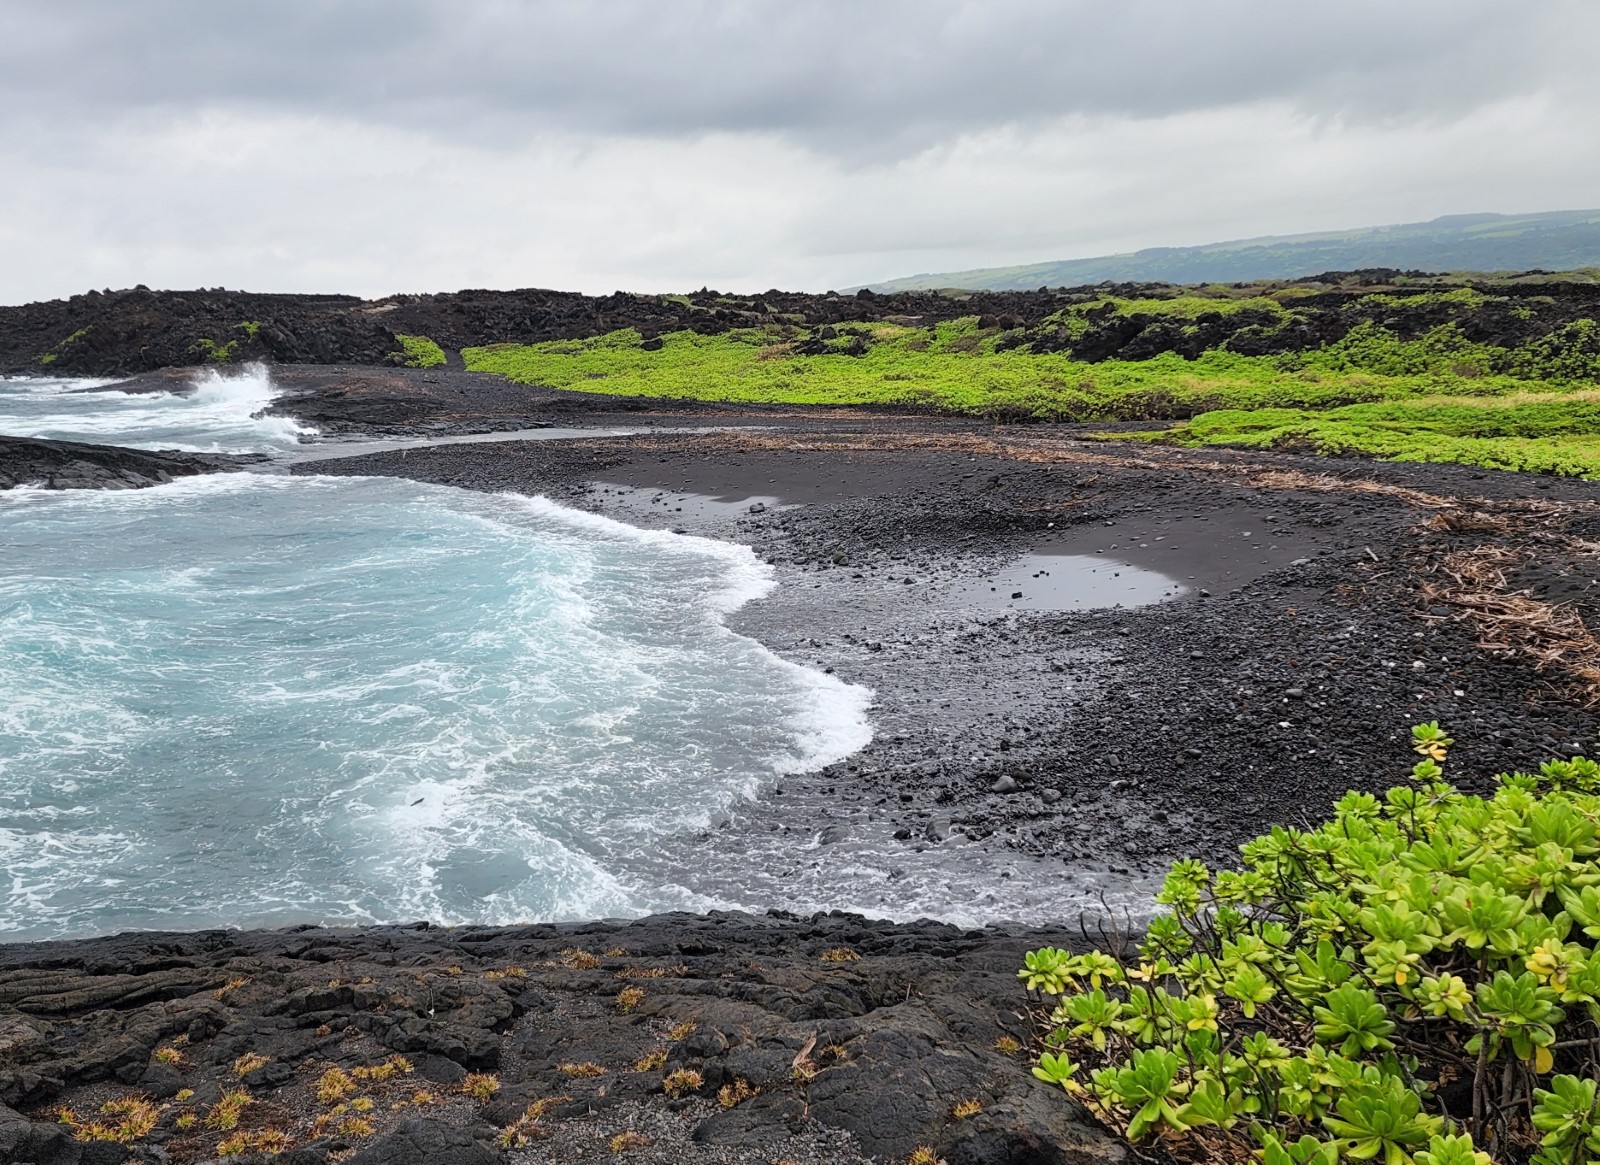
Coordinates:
[582,1070]
[681,1082]
[386,1070]
[629,1141]
[184,1094]
[186,1121]
[1008,1045]
[230,986]
[131,1118]
[652,1061]
[681,1031]
[839,955]
[480,1086]
[249,1062]
[253,1141]
[577,960]
[224,1115]
[923,1155]
[735,1094]
[333,1086]
[356,1126]
[530,1125]
[964,1109]
[168,1055]
[629,998]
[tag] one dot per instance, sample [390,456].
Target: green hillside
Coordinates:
[1562,240]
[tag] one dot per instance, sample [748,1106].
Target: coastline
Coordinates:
[1034,763]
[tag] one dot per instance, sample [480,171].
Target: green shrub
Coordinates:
[1416,980]
[214,352]
[418,352]
[1536,433]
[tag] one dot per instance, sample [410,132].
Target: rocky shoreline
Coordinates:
[712,1039]
[1030,762]
[28,461]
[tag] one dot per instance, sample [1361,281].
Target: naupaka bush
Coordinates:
[1417,979]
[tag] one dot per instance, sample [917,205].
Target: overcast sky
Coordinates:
[374,146]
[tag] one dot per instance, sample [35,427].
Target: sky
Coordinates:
[381,146]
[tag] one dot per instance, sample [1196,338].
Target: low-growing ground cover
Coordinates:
[1415,980]
[418,352]
[1555,433]
[1447,376]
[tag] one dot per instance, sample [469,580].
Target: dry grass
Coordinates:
[651,1061]
[682,1082]
[249,1062]
[1552,636]
[735,1094]
[254,1141]
[530,1126]
[480,1086]
[581,1071]
[627,1142]
[224,1115]
[629,998]
[387,1070]
[333,1086]
[839,955]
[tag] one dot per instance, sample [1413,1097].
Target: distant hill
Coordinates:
[1560,240]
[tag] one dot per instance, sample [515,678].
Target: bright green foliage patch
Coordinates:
[954,366]
[418,352]
[54,354]
[1559,435]
[1299,395]
[214,352]
[1418,979]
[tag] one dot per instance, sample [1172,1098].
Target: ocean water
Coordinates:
[250,699]
[221,415]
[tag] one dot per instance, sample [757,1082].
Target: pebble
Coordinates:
[1004,785]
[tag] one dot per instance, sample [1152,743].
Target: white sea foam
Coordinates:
[223,412]
[363,698]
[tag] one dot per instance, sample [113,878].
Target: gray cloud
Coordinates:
[367,146]
[841,75]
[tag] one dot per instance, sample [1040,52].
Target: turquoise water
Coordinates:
[250,698]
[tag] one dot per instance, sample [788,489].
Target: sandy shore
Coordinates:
[1288,670]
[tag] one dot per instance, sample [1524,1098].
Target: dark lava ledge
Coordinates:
[76,465]
[853,1040]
